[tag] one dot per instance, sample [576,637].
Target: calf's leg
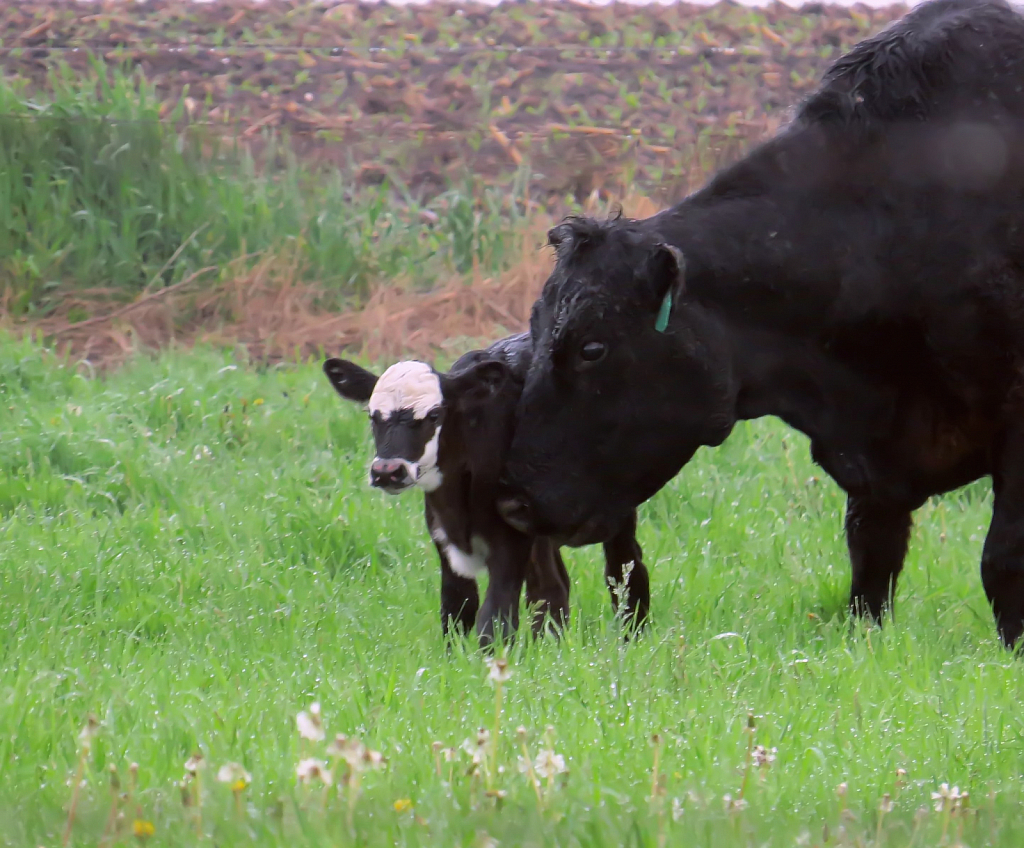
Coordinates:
[507,562]
[876,536]
[460,599]
[1002,558]
[622,554]
[547,584]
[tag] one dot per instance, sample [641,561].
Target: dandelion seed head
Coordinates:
[498,670]
[194,763]
[548,764]
[337,746]
[763,757]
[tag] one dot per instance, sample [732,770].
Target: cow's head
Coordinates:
[629,377]
[408,405]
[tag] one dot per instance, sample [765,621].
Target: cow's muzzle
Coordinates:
[391,475]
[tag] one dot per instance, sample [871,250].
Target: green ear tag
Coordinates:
[664,312]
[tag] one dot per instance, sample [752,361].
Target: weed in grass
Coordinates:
[101,190]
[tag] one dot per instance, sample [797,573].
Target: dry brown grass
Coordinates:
[259,305]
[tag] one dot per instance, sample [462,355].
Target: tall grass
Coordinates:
[190,552]
[97,189]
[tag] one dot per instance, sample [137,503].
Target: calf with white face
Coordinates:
[447,434]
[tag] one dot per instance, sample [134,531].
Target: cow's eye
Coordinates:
[592,352]
[434,415]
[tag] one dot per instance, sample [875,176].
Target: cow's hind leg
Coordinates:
[1002,558]
[877,537]
[626,575]
[547,586]
[460,599]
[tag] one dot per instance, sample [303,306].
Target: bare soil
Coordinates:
[598,103]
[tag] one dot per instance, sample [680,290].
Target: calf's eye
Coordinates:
[593,351]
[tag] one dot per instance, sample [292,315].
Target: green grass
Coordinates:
[98,189]
[190,552]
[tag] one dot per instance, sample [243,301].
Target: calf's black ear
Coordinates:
[665,274]
[350,380]
[477,384]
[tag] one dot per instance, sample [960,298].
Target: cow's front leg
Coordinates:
[626,575]
[547,586]
[460,599]
[877,537]
[1002,558]
[506,568]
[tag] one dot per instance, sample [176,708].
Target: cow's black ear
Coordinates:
[478,384]
[557,236]
[665,274]
[350,380]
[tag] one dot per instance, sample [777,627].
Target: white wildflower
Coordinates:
[310,769]
[309,724]
[548,764]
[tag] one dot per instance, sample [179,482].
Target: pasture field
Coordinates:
[191,554]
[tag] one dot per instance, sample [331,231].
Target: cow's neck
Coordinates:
[771,273]
[794,380]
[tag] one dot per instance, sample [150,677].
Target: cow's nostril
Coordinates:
[516,512]
[388,472]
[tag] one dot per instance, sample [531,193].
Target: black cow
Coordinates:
[447,435]
[860,275]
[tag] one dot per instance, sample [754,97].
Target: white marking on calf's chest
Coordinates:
[469,565]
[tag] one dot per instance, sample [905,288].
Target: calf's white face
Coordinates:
[406,413]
